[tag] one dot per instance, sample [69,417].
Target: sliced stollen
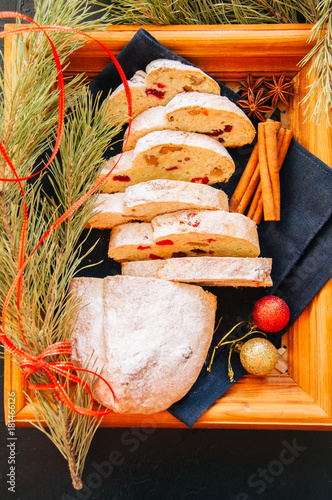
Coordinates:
[145,200]
[213,115]
[207,271]
[162,80]
[149,121]
[160,196]
[186,233]
[155,334]
[167,78]
[118,103]
[169,154]
[134,241]
[108,211]
[217,231]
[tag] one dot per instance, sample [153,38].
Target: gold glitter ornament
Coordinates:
[258,356]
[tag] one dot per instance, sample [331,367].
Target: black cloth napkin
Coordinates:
[300,244]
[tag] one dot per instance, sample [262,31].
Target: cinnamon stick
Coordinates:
[283,141]
[272,160]
[268,201]
[257,217]
[249,191]
[284,147]
[254,202]
[244,181]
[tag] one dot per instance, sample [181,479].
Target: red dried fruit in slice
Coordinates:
[122,178]
[140,247]
[179,254]
[228,128]
[215,133]
[172,168]
[202,180]
[159,85]
[165,242]
[156,93]
[196,223]
[153,256]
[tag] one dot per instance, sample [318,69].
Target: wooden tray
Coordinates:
[300,399]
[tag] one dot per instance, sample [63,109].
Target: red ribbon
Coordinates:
[29,362]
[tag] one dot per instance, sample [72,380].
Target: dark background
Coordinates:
[179,464]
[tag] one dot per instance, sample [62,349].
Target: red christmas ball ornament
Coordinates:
[271,314]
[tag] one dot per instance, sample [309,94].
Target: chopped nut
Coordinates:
[196,80]
[169,149]
[151,160]
[195,111]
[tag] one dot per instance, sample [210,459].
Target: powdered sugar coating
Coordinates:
[156,334]
[208,271]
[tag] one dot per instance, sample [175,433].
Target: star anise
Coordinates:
[250,84]
[279,90]
[255,106]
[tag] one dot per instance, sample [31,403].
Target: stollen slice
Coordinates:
[214,115]
[169,154]
[143,201]
[185,233]
[207,271]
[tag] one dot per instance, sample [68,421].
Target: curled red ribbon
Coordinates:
[29,362]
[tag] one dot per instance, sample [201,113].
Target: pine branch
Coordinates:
[320,91]
[209,11]
[28,128]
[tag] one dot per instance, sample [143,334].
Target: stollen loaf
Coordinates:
[186,233]
[158,84]
[145,200]
[150,336]
[207,271]
[213,115]
[169,154]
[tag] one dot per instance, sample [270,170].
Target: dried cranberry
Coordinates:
[153,256]
[198,250]
[172,168]
[202,180]
[123,178]
[140,247]
[228,128]
[159,85]
[156,93]
[210,240]
[179,254]
[165,242]
[215,133]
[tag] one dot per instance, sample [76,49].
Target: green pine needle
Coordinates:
[27,125]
